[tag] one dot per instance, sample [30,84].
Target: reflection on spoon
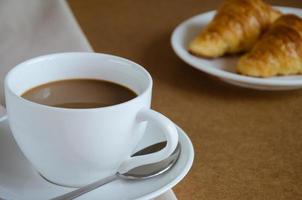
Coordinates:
[3,115]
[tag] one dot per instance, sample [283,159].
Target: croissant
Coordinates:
[235,28]
[278,52]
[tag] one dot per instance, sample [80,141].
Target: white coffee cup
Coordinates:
[74,147]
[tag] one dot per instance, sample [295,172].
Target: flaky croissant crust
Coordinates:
[278,52]
[235,28]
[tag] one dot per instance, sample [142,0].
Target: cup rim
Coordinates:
[54,55]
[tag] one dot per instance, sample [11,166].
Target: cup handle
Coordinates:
[170,131]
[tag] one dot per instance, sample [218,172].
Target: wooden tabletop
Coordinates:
[248,143]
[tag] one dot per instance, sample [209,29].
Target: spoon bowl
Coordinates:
[153,169]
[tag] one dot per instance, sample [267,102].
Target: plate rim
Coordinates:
[184,55]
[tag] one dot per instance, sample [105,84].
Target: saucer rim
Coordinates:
[180,176]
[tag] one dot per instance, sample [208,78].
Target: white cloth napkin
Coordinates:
[34,27]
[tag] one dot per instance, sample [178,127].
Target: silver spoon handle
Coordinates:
[83,190]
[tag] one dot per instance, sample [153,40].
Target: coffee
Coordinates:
[79,93]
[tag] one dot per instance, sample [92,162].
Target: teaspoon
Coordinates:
[141,172]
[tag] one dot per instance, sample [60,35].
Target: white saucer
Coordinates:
[224,67]
[18,180]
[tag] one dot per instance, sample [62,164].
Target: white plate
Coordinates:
[224,67]
[18,180]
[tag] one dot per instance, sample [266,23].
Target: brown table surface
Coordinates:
[248,143]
